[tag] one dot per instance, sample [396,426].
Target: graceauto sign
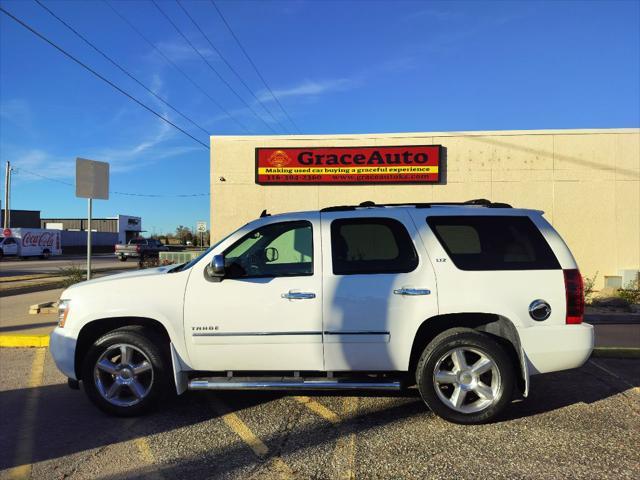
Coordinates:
[348,165]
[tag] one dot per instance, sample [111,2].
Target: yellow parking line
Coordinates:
[248,437]
[24,447]
[146,455]
[345,451]
[319,409]
[21,341]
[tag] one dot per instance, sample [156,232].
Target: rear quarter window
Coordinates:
[493,242]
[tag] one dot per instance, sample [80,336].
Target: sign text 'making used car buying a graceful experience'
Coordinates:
[348,165]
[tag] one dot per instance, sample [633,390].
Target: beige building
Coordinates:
[586,181]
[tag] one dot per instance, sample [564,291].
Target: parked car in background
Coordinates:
[139,248]
[465,301]
[30,242]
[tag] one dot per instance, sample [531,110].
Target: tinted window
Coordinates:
[371,245]
[493,243]
[275,250]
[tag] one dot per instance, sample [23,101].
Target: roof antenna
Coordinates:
[264,213]
[368,203]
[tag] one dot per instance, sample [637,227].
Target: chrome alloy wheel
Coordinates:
[467,380]
[123,375]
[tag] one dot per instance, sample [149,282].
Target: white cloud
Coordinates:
[311,88]
[182,52]
[433,13]
[127,158]
[18,112]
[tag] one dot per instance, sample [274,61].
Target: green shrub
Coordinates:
[630,293]
[71,275]
[589,283]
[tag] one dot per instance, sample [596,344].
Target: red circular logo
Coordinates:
[6,232]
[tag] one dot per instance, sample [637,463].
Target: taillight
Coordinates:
[138,248]
[575,296]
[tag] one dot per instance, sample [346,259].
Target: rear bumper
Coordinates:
[63,351]
[127,254]
[554,348]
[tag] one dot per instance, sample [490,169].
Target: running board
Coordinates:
[234,383]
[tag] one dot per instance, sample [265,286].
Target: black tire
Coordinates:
[471,343]
[122,258]
[149,343]
[45,255]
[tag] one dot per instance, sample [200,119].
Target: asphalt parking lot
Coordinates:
[579,424]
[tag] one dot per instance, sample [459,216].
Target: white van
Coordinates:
[30,242]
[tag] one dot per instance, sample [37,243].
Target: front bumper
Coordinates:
[63,351]
[554,348]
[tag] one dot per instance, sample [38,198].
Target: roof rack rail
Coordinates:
[482,202]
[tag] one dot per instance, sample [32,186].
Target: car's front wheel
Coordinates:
[125,372]
[465,376]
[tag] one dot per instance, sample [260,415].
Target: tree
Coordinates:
[184,234]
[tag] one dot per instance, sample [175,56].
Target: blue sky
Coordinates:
[336,67]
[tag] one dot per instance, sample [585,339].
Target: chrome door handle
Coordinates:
[411,291]
[298,295]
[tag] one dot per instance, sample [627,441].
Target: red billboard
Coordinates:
[348,165]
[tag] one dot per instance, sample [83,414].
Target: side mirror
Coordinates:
[216,267]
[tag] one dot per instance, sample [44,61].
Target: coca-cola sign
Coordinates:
[43,239]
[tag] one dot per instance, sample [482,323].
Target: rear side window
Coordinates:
[493,243]
[371,245]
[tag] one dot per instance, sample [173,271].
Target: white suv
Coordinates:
[464,300]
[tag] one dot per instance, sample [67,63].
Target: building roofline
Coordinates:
[408,135]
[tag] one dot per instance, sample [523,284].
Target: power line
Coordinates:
[246,54]
[211,66]
[172,63]
[179,2]
[147,195]
[122,69]
[104,79]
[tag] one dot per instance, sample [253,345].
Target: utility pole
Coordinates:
[7,196]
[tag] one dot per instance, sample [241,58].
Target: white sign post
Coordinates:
[92,181]
[202,229]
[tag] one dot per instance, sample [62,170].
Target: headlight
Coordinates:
[63,312]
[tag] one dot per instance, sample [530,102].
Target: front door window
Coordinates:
[276,250]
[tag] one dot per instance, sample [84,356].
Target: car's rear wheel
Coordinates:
[122,258]
[465,376]
[125,372]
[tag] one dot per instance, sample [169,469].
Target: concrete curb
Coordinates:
[24,341]
[616,352]
[50,282]
[22,278]
[38,287]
